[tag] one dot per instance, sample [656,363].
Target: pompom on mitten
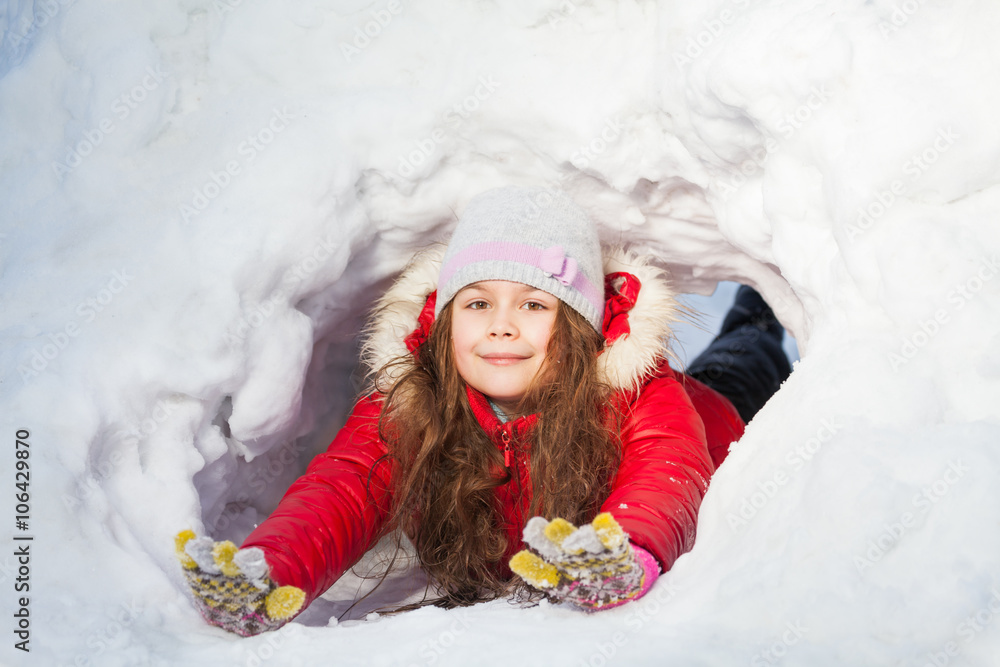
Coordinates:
[232,587]
[594,566]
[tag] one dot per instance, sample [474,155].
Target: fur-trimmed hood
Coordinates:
[625,363]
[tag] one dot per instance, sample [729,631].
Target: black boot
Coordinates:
[750,308]
[746,362]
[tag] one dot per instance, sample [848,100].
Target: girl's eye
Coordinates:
[478,305]
[534,305]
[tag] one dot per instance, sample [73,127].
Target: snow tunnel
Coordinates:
[202,200]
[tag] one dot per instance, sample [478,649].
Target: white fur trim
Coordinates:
[396,313]
[631,358]
[623,365]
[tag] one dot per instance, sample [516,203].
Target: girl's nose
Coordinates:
[502,325]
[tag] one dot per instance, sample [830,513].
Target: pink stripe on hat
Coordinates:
[552,261]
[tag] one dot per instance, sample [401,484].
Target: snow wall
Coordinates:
[200,200]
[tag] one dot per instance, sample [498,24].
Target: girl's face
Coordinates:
[500,330]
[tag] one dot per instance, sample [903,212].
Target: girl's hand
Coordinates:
[232,588]
[594,567]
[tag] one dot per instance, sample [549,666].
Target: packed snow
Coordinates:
[202,199]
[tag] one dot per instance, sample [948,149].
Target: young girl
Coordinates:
[521,375]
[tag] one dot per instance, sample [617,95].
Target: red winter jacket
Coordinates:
[675,432]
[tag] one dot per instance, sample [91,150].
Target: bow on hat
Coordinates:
[554,262]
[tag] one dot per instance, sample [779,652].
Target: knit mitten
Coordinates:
[594,567]
[232,588]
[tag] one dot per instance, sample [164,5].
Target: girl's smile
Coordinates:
[503,359]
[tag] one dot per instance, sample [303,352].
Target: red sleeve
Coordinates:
[332,514]
[665,470]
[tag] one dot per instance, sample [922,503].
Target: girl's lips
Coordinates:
[502,359]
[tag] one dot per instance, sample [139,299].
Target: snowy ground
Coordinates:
[200,200]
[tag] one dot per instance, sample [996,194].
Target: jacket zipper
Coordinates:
[505,436]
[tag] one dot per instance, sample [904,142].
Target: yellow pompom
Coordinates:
[534,570]
[223,553]
[608,531]
[180,540]
[284,602]
[558,530]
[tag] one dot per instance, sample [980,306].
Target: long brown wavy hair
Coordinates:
[446,470]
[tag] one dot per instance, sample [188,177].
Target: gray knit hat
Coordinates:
[534,236]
